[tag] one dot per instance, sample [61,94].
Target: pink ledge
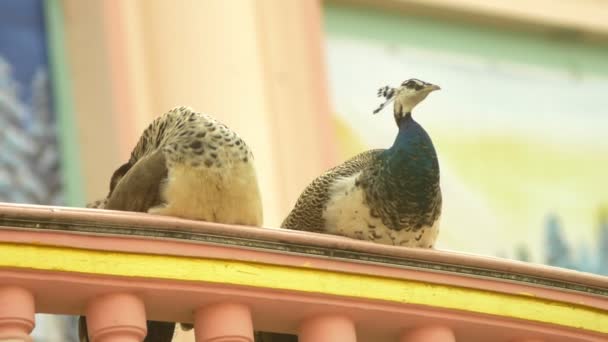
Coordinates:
[233,311]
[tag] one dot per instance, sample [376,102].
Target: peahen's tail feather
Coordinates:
[261,336]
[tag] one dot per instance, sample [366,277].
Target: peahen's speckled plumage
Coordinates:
[390,196]
[186,164]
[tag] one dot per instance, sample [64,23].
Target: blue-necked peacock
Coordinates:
[390,196]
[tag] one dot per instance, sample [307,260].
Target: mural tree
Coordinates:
[557,250]
[602,242]
[29,158]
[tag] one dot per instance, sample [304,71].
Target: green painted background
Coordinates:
[428,33]
[64,104]
[517,180]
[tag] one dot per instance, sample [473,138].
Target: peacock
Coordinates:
[189,165]
[389,196]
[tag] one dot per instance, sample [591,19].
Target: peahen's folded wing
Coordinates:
[307,213]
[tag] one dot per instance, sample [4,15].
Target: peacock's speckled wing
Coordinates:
[182,138]
[140,188]
[308,211]
[137,190]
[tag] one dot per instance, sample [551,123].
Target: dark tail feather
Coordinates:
[157,331]
[160,331]
[164,331]
[83,333]
[261,336]
[186,326]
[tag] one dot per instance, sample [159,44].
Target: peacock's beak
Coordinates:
[432,87]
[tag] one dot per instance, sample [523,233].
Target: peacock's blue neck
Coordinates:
[412,152]
[402,185]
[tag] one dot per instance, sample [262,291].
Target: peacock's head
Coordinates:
[411,93]
[406,97]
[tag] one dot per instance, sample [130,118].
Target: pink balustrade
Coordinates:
[120,269]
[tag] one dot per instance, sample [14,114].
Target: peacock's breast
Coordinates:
[349,213]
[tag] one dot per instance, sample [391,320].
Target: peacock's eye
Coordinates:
[408,84]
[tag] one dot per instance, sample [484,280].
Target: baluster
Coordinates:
[223,322]
[433,333]
[17,309]
[117,317]
[328,328]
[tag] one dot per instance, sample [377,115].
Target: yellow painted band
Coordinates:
[304,280]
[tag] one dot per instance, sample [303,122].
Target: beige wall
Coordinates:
[256,65]
[89,68]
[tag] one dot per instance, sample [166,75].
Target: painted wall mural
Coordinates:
[29,161]
[519,127]
[29,155]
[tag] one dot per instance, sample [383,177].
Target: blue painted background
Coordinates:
[29,155]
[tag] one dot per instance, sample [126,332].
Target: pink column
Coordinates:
[433,333]
[117,317]
[223,322]
[16,314]
[328,328]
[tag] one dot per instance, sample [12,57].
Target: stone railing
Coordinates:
[120,268]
